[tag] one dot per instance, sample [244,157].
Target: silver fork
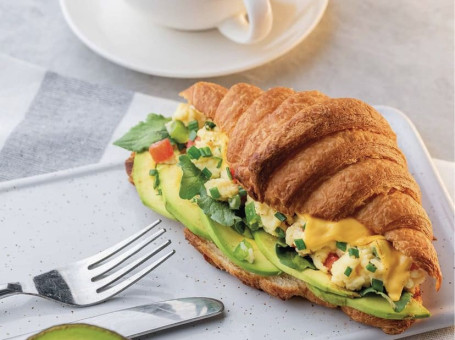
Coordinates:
[91,280]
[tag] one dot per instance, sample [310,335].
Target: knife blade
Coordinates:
[154,317]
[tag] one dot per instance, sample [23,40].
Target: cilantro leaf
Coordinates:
[289,257]
[397,306]
[141,136]
[193,179]
[217,211]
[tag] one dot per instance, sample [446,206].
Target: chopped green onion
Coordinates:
[280,232]
[206,173]
[177,130]
[252,218]
[209,125]
[234,202]
[193,152]
[228,172]
[160,192]
[304,226]
[377,284]
[156,181]
[244,251]
[239,227]
[215,193]
[354,252]
[341,245]
[348,271]
[242,192]
[280,216]
[192,135]
[220,161]
[193,125]
[205,151]
[300,244]
[371,267]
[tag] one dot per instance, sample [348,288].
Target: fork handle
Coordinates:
[8,289]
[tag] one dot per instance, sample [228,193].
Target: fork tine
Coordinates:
[110,279]
[108,266]
[106,294]
[105,254]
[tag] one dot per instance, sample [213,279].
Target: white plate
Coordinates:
[126,37]
[50,220]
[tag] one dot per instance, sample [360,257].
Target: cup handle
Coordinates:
[256,28]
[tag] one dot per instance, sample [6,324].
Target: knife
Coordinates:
[151,318]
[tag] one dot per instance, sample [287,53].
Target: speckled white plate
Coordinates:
[47,221]
[116,31]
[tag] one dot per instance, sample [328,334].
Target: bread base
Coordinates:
[285,286]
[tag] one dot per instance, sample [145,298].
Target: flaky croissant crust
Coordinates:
[304,152]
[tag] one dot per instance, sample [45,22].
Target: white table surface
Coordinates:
[393,52]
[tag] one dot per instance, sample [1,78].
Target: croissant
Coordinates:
[303,152]
[299,157]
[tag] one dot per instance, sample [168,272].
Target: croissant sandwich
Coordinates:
[294,193]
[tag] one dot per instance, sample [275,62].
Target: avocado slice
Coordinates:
[143,163]
[321,280]
[374,305]
[227,239]
[77,331]
[185,211]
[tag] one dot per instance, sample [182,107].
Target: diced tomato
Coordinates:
[331,258]
[161,150]
[232,172]
[190,143]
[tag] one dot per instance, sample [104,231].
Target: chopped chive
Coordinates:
[192,135]
[194,152]
[234,202]
[228,172]
[300,244]
[205,151]
[280,216]
[377,284]
[160,192]
[348,271]
[209,125]
[193,125]
[341,245]
[354,252]
[220,161]
[252,218]
[239,227]
[304,226]
[371,267]
[280,232]
[242,192]
[206,173]
[215,193]
[153,172]
[156,181]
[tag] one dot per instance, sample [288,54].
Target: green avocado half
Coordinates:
[143,163]
[184,211]
[77,331]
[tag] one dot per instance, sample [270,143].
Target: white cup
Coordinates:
[243,21]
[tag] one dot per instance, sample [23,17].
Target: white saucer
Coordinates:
[125,36]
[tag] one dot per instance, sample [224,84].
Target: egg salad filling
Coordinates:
[346,251]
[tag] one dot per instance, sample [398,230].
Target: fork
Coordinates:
[91,280]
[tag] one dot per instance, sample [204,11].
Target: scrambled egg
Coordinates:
[226,187]
[186,113]
[217,142]
[268,218]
